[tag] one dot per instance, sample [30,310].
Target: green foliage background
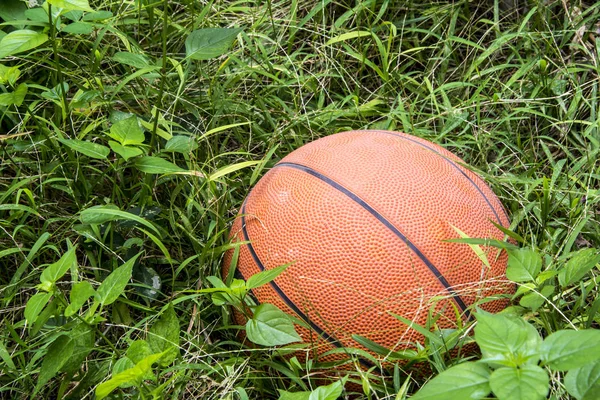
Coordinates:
[130,132]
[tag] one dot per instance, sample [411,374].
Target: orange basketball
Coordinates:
[365,216]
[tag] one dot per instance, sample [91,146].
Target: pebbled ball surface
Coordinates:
[364,216]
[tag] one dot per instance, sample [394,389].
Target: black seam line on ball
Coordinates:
[387,224]
[321,332]
[458,169]
[279,291]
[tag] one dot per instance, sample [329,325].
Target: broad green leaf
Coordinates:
[284,395]
[565,350]
[523,265]
[348,35]
[35,305]
[231,168]
[464,381]
[83,338]
[5,356]
[19,41]
[123,364]
[58,353]
[80,292]
[535,300]
[266,276]
[97,16]
[181,144]
[577,266]
[133,375]
[70,5]
[37,14]
[56,92]
[127,131]
[271,327]
[126,152]
[131,59]
[329,392]
[584,383]
[138,350]
[156,165]
[114,284]
[528,382]
[9,75]
[506,340]
[55,271]
[17,207]
[207,43]
[100,214]
[14,98]
[103,214]
[121,314]
[163,337]
[78,28]
[12,10]
[90,149]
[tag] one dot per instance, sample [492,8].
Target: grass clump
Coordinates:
[131,132]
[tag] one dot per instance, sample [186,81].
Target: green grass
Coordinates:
[514,92]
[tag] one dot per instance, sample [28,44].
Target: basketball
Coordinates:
[365,217]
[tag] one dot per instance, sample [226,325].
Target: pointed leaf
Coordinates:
[19,41]
[266,276]
[58,353]
[123,364]
[329,392]
[127,131]
[271,327]
[90,149]
[14,98]
[529,382]
[103,214]
[156,165]
[524,265]
[35,305]
[70,5]
[114,284]
[78,28]
[12,10]
[124,151]
[131,59]
[138,350]
[584,383]
[207,43]
[83,338]
[132,375]
[80,293]
[535,300]
[565,350]
[285,395]
[163,337]
[577,266]
[97,16]
[507,340]
[464,381]
[5,356]
[181,144]
[55,271]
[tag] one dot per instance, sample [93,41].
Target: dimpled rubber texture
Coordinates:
[364,216]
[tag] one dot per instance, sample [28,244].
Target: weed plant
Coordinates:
[130,132]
